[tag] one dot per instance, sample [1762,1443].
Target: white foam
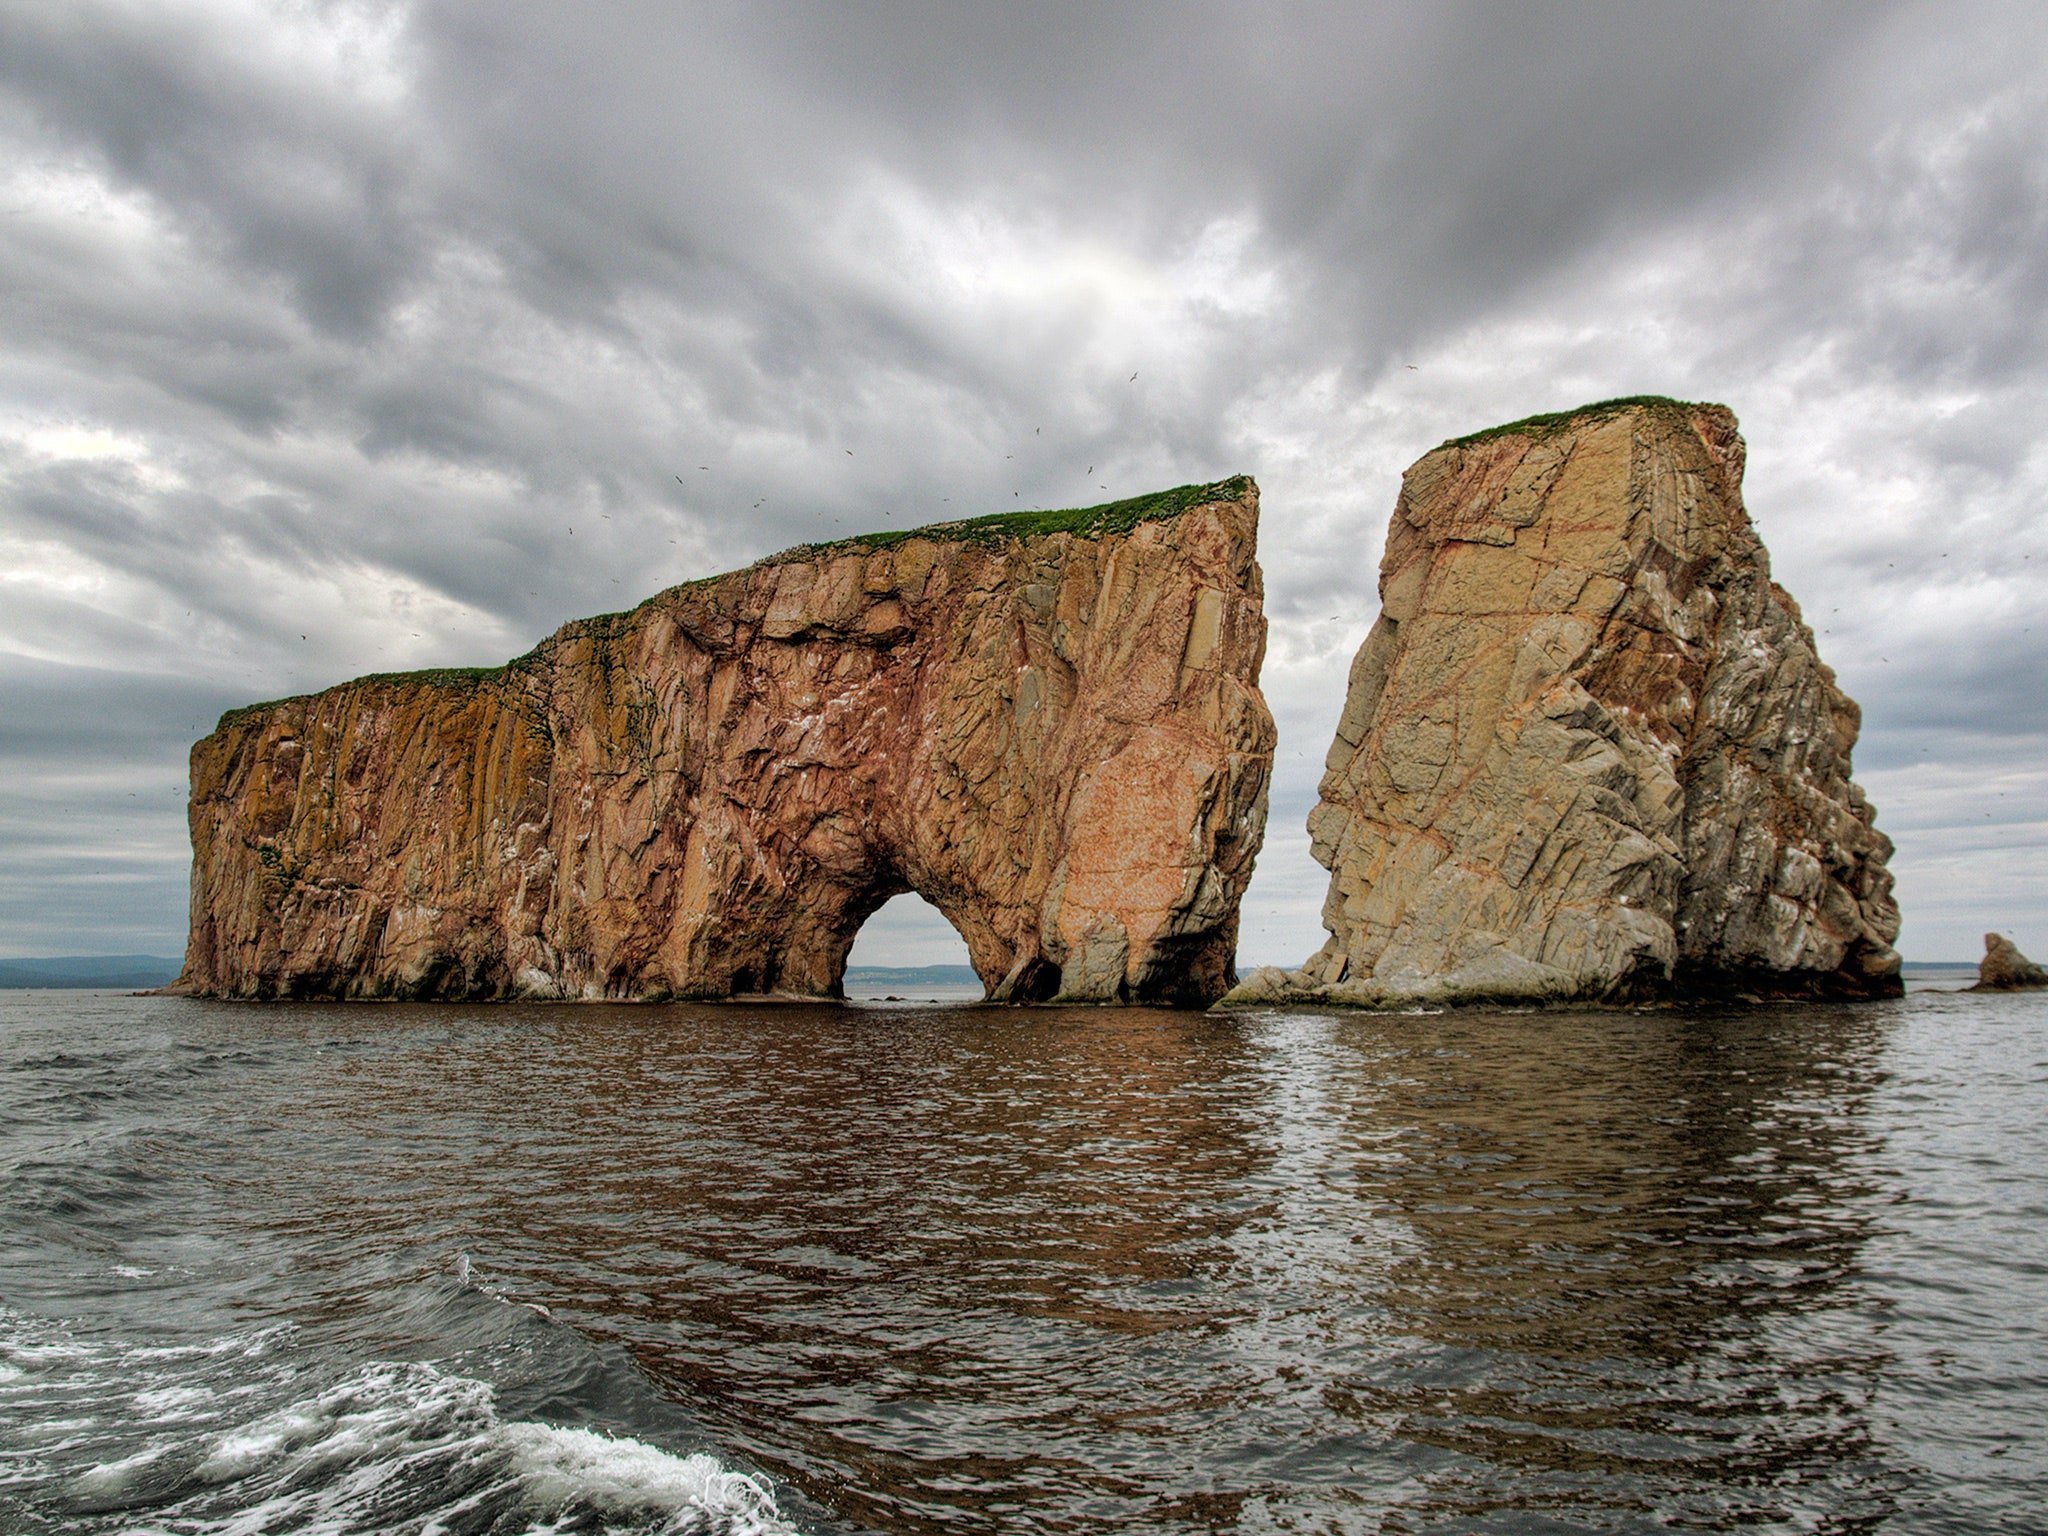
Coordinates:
[624,1476]
[239,1446]
[112,1477]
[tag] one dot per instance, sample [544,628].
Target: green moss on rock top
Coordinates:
[432,677]
[1110,517]
[1553,422]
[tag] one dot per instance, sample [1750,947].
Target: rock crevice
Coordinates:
[1047,725]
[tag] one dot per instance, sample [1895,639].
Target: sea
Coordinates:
[922,1266]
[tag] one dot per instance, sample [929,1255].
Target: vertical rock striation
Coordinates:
[1588,748]
[1046,724]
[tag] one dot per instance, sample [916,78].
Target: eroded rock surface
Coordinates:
[1047,725]
[2005,969]
[1588,749]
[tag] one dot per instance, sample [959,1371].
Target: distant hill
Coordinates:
[128,972]
[911,976]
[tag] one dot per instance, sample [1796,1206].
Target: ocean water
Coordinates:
[914,1268]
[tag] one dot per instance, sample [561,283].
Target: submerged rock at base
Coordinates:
[1046,724]
[1588,749]
[2005,969]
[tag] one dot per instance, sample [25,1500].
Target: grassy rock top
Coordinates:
[1553,422]
[1108,518]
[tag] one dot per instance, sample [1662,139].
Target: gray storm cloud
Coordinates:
[348,337]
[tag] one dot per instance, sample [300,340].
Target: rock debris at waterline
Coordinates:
[2005,969]
[1046,724]
[1588,748]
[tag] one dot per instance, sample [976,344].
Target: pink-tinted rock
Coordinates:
[1049,726]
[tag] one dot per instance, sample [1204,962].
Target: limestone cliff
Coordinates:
[1588,749]
[1047,724]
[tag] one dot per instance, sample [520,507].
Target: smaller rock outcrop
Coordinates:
[2005,969]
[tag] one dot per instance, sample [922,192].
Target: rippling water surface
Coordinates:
[921,1269]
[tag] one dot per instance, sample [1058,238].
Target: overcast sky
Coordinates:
[321,324]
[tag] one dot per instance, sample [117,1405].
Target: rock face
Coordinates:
[1588,750]
[2005,969]
[1046,724]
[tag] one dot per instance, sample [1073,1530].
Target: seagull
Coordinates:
[849,453]
[1036,430]
[1091,469]
[679,479]
[1411,367]
[1133,379]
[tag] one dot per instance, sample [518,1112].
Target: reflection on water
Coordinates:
[987,1269]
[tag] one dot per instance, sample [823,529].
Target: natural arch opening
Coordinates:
[907,949]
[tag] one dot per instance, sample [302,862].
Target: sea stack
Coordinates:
[2005,969]
[1588,749]
[1047,724]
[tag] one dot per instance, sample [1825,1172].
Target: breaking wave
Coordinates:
[243,1435]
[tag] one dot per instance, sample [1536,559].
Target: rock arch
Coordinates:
[1048,725]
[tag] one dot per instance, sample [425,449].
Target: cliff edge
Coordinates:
[1046,724]
[1588,749]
